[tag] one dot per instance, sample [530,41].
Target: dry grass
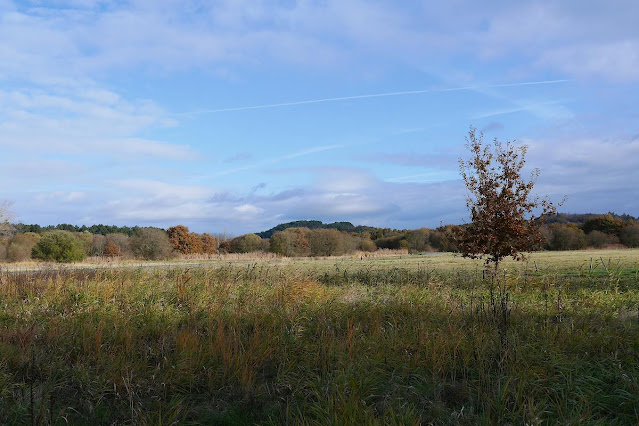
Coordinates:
[398,340]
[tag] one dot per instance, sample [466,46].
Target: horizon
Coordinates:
[234,117]
[229,235]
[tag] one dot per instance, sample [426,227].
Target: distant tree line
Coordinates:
[21,228]
[71,243]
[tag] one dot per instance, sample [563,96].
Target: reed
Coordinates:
[333,341]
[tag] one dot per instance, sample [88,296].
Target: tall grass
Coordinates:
[325,343]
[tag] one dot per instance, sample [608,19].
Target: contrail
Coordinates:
[373,95]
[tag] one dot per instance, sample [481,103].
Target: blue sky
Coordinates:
[142,112]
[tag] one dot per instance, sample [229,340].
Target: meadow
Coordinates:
[402,339]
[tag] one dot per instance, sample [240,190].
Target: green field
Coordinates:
[411,339]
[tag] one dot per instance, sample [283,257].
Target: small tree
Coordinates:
[21,245]
[502,207]
[291,242]
[209,243]
[246,244]
[111,249]
[59,246]
[151,244]
[5,216]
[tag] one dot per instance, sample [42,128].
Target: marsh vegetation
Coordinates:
[397,340]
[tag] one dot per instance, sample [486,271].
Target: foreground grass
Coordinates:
[411,340]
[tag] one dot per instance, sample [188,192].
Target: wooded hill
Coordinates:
[316,224]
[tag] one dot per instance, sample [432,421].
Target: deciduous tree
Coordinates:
[505,216]
[111,249]
[59,246]
[209,243]
[5,217]
[151,244]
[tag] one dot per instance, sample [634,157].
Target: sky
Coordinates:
[233,116]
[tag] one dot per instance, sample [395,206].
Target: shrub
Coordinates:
[151,244]
[86,241]
[566,237]
[326,242]
[3,250]
[98,244]
[246,244]
[209,243]
[443,238]
[123,243]
[183,241]
[630,236]
[600,239]
[291,242]
[111,249]
[21,245]
[418,240]
[393,242]
[59,246]
[366,244]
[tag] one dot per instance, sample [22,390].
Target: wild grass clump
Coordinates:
[323,345]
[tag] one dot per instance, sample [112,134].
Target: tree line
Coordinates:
[63,244]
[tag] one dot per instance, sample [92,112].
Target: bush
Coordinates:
[366,244]
[122,241]
[600,239]
[246,244]
[393,242]
[86,240]
[209,243]
[418,240]
[443,238]
[630,236]
[21,245]
[98,244]
[290,242]
[566,237]
[151,244]
[111,250]
[326,242]
[3,250]
[184,241]
[59,246]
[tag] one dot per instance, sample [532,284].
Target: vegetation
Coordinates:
[315,224]
[93,229]
[246,244]
[184,241]
[59,246]
[21,245]
[411,340]
[151,244]
[501,204]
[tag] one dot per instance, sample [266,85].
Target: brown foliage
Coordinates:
[183,241]
[20,246]
[111,249]
[501,205]
[209,244]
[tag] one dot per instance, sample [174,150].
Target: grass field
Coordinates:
[419,339]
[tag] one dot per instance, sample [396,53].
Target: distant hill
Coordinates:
[315,224]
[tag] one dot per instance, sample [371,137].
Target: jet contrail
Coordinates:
[373,95]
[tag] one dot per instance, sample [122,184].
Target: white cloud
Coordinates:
[82,121]
[617,60]
[248,209]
